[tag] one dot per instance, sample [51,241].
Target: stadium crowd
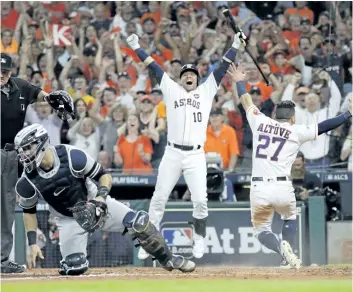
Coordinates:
[305,48]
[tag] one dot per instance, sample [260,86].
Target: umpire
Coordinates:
[16,95]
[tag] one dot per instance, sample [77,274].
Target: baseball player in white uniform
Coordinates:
[276,143]
[188,107]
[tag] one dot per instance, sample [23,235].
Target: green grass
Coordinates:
[194,285]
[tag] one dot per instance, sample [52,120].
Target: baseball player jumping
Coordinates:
[276,143]
[63,176]
[188,108]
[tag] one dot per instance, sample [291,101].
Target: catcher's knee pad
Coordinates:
[150,239]
[200,226]
[73,265]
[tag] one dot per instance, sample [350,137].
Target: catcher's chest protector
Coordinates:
[62,190]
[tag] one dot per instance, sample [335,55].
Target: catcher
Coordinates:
[63,175]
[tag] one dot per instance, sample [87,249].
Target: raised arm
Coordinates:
[238,77]
[163,28]
[24,57]
[99,55]
[335,122]
[118,56]
[94,111]
[63,78]
[336,97]
[81,40]
[228,58]
[18,29]
[49,43]
[133,41]
[71,134]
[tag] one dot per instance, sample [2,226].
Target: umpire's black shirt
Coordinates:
[15,97]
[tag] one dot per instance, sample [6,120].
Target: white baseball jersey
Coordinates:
[275,144]
[188,112]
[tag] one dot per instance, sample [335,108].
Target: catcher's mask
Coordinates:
[30,144]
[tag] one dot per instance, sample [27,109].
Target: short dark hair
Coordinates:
[81,76]
[36,72]
[285,110]
[111,89]
[7,30]
[300,155]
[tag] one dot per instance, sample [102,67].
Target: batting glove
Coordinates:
[239,39]
[133,41]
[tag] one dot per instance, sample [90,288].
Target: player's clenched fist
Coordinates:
[133,41]
[239,39]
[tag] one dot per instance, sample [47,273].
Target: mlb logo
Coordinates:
[179,237]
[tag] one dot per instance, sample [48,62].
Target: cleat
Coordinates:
[285,265]
[180,263]
[199,246]
[142,254]
[9,267]
[289,256]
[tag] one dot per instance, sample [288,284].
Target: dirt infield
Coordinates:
[306,273]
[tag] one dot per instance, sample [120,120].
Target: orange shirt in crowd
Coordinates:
[303,13]
[266,91]
[155,16]
[10,20]
[104,111]
[132,162]
[225,144]
[167,55]
[291,35]
[236,122]
[11,49]
[286,69]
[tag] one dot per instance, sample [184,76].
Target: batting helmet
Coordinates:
[192,68]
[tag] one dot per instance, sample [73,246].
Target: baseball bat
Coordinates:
[236,29]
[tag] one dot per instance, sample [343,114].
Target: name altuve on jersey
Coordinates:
[276,130]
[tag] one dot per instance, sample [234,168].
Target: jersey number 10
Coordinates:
[197,117]
[264,146]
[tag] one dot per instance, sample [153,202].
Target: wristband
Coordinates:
[148,60]
[230,55]
[241,88]
[32,237]
[103,191]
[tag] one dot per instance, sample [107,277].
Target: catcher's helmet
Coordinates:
[30,144]
[192,68]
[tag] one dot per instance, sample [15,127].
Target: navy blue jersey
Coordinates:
[64,185]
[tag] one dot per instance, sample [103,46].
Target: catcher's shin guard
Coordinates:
[149,237]
[73,265]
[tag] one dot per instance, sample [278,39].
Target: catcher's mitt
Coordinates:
[90,215]
[62,104]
